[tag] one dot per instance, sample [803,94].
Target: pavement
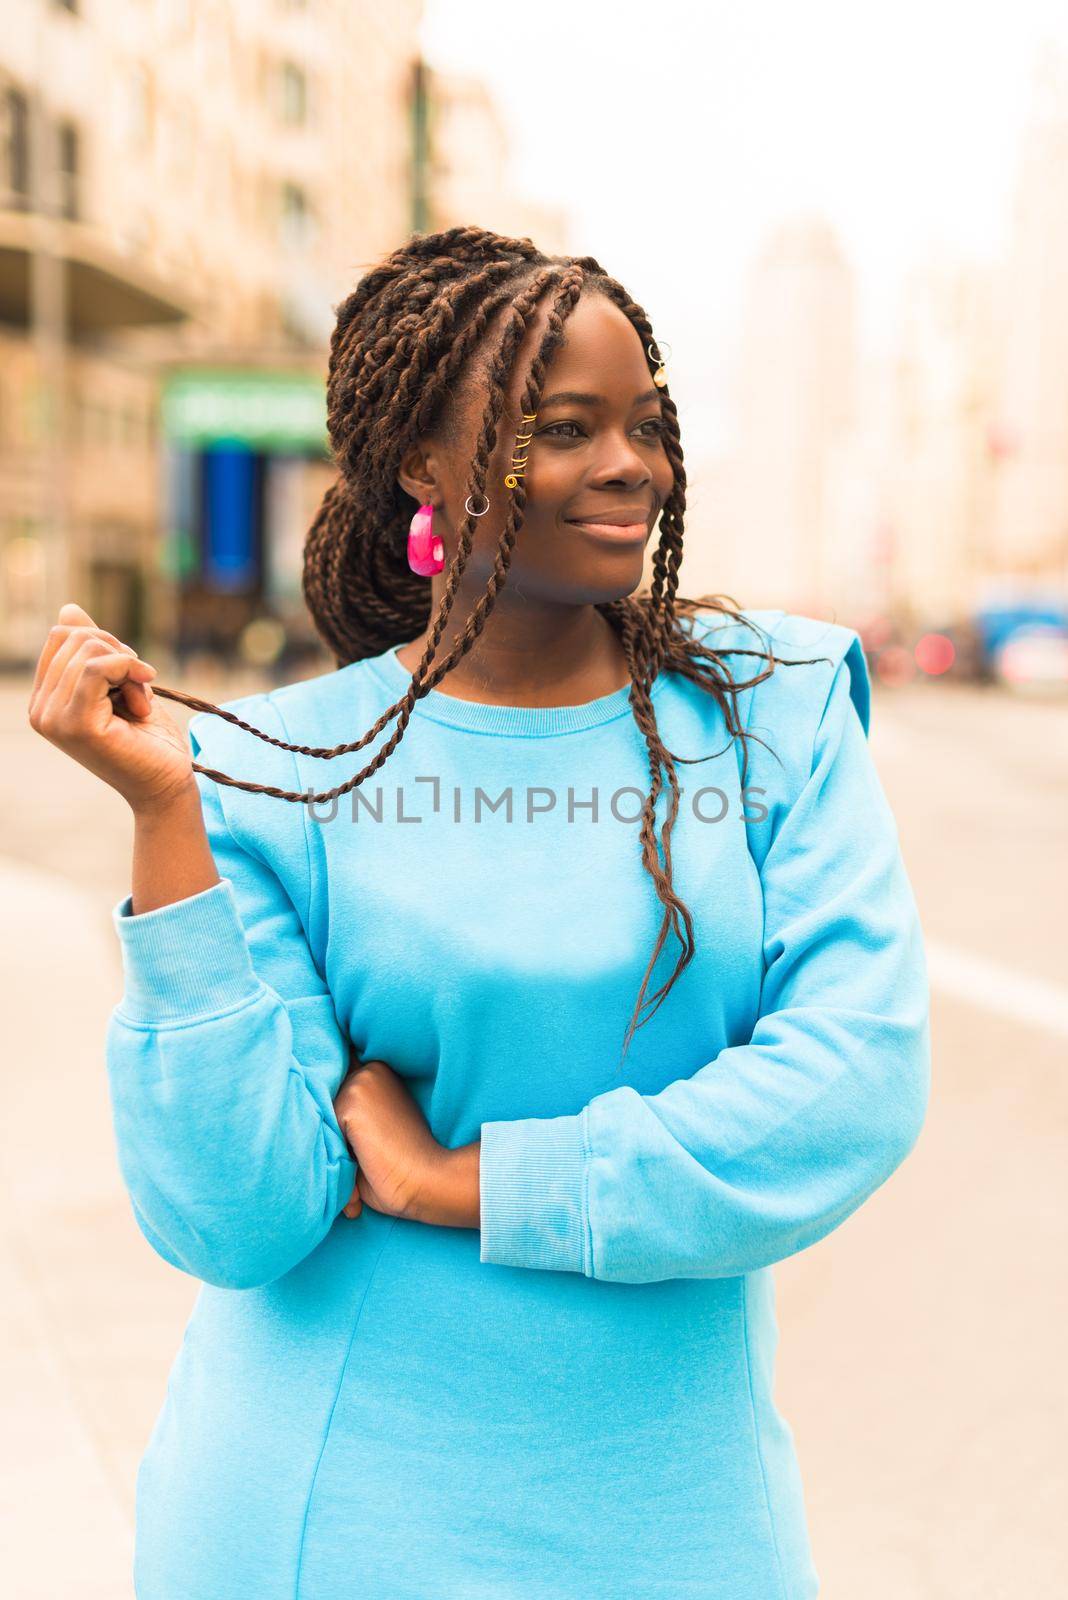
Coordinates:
[920,1361]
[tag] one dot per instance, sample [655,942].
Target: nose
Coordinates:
[619,465]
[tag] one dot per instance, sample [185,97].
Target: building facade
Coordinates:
[187,188]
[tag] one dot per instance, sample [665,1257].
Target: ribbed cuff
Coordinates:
[188,959]
[532,1177]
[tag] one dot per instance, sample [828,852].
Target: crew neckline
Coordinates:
[480,717]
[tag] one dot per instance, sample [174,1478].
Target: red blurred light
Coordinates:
[935,653]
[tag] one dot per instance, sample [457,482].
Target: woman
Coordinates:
[487,1305]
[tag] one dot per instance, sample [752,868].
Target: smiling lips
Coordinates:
[622,525]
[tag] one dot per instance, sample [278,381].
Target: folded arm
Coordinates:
[771,1144]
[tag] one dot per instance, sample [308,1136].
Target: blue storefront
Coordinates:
[247,461]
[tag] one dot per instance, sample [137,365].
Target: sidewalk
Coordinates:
[90,1318]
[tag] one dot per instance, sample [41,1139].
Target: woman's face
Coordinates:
[596,476]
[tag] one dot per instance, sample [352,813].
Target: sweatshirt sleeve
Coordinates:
[773,1143]
[224,1055]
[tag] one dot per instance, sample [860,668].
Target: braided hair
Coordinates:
[413,328]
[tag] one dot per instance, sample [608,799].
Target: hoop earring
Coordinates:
[482,513]
[426,552]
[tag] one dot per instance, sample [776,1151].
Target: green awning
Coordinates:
[268,410]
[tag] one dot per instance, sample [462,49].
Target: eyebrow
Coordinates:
[571,397]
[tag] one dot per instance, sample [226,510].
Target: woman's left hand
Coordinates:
[396,1154]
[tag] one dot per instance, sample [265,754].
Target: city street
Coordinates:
[920,1361]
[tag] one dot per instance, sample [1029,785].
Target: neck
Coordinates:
[530,653]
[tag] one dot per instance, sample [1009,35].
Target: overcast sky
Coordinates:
[677,132]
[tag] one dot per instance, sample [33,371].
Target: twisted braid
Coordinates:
[412,327]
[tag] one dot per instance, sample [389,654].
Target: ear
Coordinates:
[418,474]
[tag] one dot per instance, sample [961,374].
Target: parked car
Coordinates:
[1009,612]
[1033,658]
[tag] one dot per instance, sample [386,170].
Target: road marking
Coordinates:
[980,982]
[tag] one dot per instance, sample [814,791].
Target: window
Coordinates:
[293,94]
[67,169]
[15,149]
[297,226]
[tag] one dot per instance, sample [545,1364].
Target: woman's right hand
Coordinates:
[91,699]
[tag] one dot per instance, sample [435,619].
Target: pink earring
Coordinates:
[426,552]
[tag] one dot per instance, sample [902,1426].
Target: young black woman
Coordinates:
[487,1305]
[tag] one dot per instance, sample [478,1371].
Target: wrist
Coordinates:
[452,1198]
[179,802]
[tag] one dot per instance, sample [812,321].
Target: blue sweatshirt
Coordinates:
[575,1400]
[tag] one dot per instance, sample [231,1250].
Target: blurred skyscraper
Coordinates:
[916,480]
[766,515]
[939,464]
[1031,425]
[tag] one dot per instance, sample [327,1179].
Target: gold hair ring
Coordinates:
[519,460]
[656,354]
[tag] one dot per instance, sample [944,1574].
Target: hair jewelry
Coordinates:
[656,354]
[519,460]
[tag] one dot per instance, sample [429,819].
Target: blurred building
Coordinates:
[470,176]
[186,190]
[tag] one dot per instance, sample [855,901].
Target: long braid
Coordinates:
[412,327]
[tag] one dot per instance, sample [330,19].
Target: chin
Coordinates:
[600,587]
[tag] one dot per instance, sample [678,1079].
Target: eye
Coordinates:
[552,430]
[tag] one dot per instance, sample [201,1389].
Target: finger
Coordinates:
[137,698]
[90,675]
[70,615]
[87,680]
[63,640]
[133,697]
[75,614]
[58,635]
[67,644]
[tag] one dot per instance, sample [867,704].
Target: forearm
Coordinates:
[172,858]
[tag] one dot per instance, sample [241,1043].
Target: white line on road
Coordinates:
[980,982]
